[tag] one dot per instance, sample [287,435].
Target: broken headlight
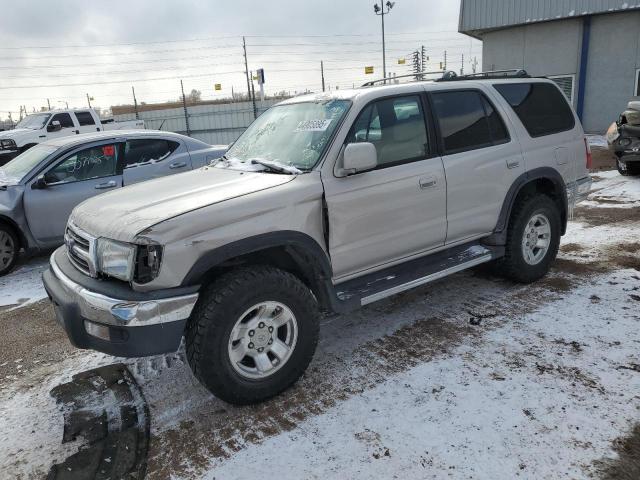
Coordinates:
[148,259]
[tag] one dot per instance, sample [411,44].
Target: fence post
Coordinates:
[135,103]
[184,106]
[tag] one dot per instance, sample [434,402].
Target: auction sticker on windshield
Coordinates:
[313,126]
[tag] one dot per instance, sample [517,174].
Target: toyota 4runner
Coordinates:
[327,202]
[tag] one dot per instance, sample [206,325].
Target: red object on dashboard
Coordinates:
[109,150]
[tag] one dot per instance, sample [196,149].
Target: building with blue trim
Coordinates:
[591,48]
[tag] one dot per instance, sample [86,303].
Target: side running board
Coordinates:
[411,274]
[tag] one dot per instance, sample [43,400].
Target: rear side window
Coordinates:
[85,118]
[541,107]
[147,150]
[468,121]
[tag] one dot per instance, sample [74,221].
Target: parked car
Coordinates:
[308,211]
[39,188]
[44,126]
[624,139]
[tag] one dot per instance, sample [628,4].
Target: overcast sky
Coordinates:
[66,49]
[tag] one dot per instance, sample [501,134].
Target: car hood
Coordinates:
[16,132]
[123,214]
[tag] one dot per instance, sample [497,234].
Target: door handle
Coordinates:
[175,165]
[105,185]
[513,164]
[428,182]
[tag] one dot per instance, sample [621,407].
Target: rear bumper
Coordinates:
[124,327]
[580,189]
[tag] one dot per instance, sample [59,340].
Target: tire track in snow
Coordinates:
[210,431]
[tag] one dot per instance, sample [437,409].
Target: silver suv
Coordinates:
[326,202]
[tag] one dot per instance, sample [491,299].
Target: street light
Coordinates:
[380,10]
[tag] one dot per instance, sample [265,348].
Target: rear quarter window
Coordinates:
[541,107]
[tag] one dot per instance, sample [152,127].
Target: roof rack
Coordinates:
[390,80]
[452,76]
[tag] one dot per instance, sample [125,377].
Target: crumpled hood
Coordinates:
[15,133]
[122,214]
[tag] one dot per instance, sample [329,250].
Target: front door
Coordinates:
[66,122]
[396,210]
[71,180]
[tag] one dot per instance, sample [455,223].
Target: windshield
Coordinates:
[17,168]
[293,135]
[34,122]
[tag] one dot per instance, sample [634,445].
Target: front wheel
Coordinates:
[533,239]
[252,334]
[8,249]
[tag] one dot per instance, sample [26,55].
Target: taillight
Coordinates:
[587,148]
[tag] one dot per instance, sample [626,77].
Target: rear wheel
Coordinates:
[9,247]
[252,334]
[625,169]
[533,239]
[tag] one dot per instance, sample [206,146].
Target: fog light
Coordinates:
[103,332]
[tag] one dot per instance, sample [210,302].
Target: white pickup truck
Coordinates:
[37,128]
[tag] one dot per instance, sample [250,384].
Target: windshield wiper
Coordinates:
[274,167]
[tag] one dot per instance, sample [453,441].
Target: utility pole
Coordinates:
[474,64]
[135,103]
[416,64]
[184,106]
[89,100]
[322,73]
[445,60]
[462,67]
[246,68]
[380,10]
[252,94]
[49,104]
[423,59]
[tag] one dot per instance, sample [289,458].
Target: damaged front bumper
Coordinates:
[109,317]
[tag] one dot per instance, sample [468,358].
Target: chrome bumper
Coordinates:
[121,312]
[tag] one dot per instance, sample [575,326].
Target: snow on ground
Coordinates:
[469,377]
[522,400]
[24,285]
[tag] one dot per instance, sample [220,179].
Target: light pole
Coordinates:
[382,11]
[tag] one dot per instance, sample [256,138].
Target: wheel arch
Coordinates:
[544,180]
[4,220]
[294,252]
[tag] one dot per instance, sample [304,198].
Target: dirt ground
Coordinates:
[470,377]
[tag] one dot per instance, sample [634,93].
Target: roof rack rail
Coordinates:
[452,76]
[390,80]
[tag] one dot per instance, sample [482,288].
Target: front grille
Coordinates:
[80,249]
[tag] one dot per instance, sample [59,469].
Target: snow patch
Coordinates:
[23,286]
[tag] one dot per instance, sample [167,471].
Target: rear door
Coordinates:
[481,161]
[398,209]
[86,122]
[70,180]
[147,158]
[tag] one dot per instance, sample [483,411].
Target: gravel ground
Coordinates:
[469,377]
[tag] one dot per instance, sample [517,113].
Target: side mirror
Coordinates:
[359,157]
[39,184]
[54,126]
